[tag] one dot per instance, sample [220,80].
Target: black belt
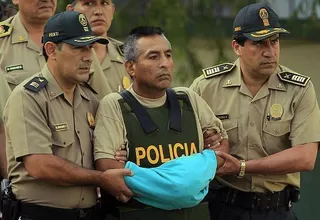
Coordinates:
[252,200]
[33,211]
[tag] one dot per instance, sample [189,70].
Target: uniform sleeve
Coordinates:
[26,126]
[305,125]
[4,94]
[109,133]
[207,118]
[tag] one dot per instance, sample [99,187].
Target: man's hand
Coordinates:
[231,165]
[121,154]
[113,183]
[212,139]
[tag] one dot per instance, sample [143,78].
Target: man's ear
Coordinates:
[69,7]
[236,47]
[51,50]
[130,68]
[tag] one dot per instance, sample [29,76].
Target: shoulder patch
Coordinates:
[217,70]
[5,29]
[294,78]
[36,84]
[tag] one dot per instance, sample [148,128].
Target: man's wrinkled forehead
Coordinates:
[147,45]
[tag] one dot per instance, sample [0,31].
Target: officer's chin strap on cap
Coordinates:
[174,111]
[146,122]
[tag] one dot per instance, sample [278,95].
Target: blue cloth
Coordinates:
[179,183]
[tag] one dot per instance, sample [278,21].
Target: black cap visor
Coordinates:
[265,33]
[85,40]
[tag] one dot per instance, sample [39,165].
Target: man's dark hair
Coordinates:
[240,39]
[130,49]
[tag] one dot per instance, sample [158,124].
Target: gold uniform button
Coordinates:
[251,123]
[277,130]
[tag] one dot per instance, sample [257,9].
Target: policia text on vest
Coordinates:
[157,154]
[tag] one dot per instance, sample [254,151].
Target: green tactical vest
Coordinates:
[171,134]
[157,135]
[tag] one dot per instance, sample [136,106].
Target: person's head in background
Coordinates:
[99,13]
[36,11]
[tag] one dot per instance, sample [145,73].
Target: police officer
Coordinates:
[157,123]
[49,121]
[4,95]
[271,116]
[20,45]
[20,40]
[109,74]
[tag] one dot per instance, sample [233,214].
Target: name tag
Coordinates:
[223,116]
[61,127]
[14,67]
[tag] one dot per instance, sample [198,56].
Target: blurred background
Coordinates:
[200,33]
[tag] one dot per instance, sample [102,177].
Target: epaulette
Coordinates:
[36,84]
[294,78]
[5,29]
[217,70]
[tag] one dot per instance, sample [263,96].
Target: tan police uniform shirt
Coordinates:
[255,125]
[4,94]
[20,57]
[110,130]
[44,122]
[110,75]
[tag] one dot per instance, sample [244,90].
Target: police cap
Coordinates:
[257,22]
[70,27]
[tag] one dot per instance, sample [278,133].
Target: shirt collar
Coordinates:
[114,53]
[54,89]
[234,78]
[20,33]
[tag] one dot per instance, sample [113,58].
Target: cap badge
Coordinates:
[83,20]
[263,13]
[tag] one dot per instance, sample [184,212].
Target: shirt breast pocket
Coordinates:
[62,139]
[276,136]
[231,126]
[16,77]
